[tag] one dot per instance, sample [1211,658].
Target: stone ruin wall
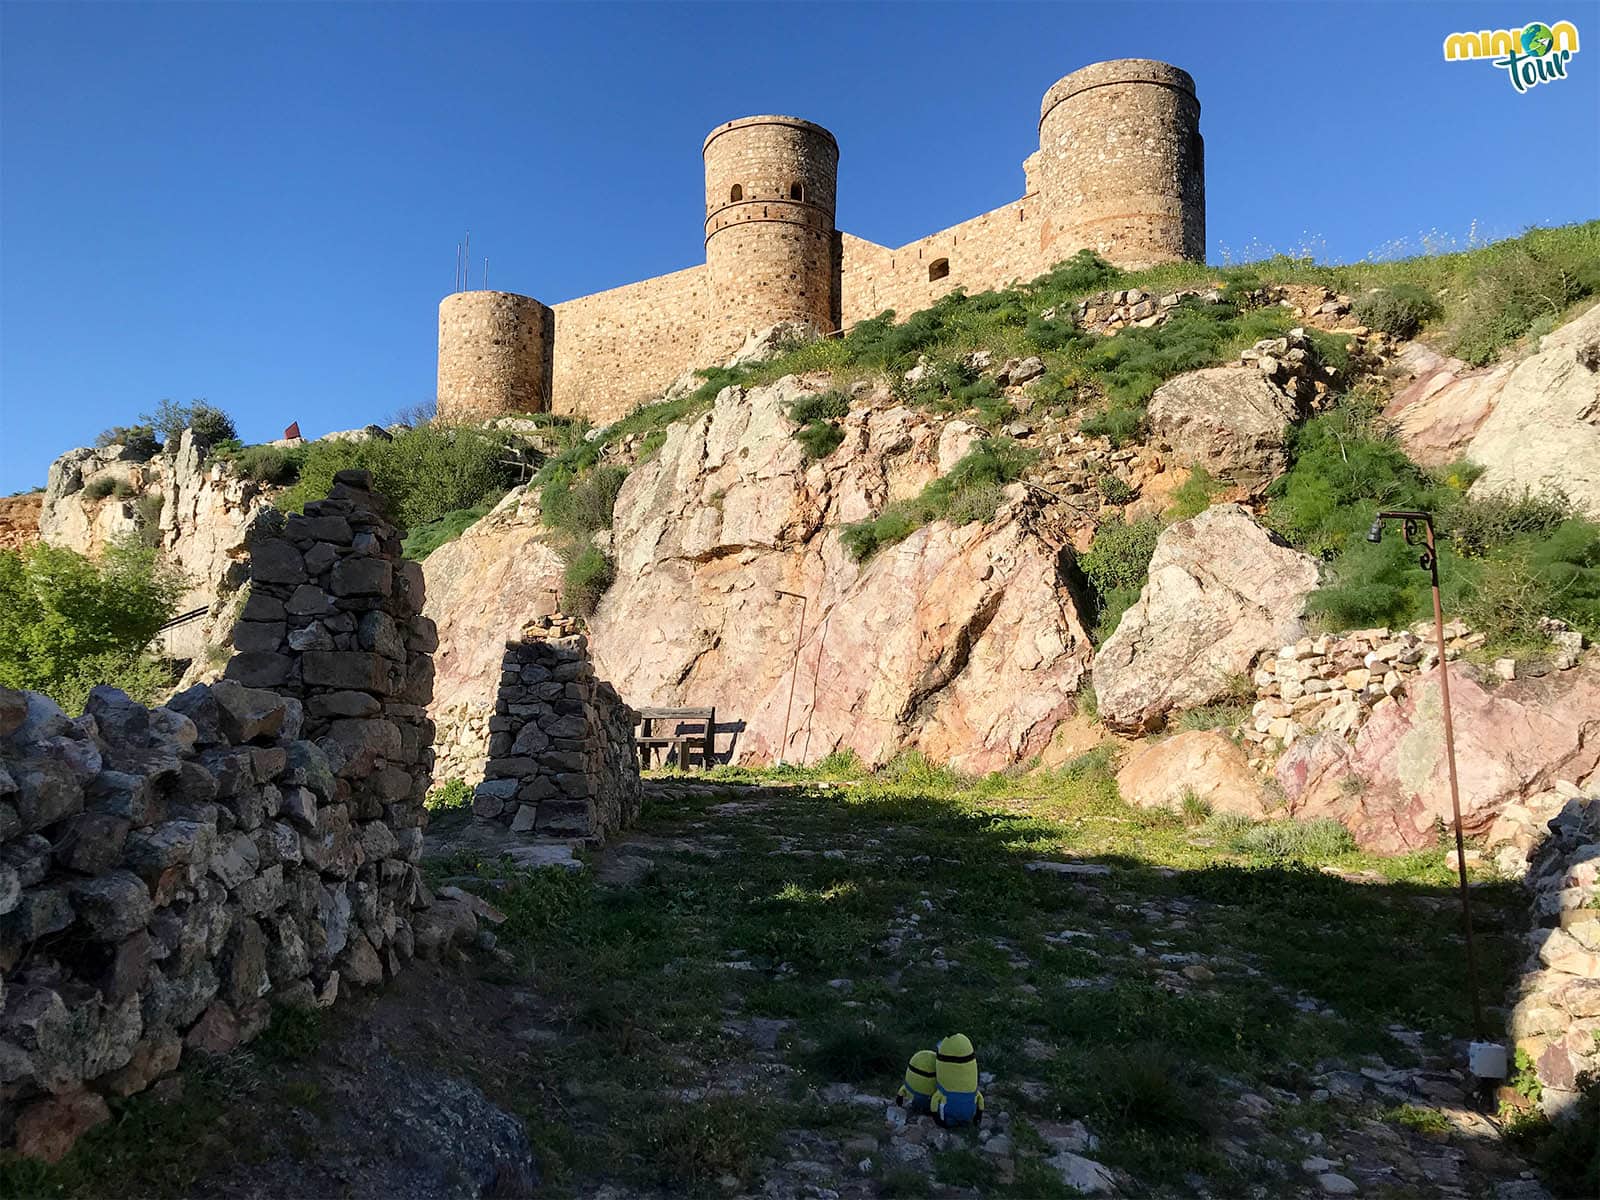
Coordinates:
[1120,169]
[167,875]
[562,762]
[494,354]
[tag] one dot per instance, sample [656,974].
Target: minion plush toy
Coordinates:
[916,1092]
[956,1098]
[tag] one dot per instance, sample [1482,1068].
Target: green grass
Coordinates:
[429,536]
[933,868]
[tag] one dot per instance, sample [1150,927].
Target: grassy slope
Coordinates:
[912,886]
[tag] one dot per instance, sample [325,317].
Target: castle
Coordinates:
[1120,170]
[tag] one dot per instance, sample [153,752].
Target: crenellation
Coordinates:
[1120,170]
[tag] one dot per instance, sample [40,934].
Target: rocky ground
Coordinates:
[723,1001]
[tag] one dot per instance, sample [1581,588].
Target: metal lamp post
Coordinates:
[794,669]
[1429,561]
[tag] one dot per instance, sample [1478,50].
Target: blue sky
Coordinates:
[259,204]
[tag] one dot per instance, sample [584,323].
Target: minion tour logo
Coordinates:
[1535,54]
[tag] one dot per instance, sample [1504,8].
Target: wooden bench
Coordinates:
[683,730]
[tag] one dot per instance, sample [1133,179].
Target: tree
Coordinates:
[68,622]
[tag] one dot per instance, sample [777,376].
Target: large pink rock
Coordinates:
[1221,590]
[1204,763]
[960,642]
[1391,787]
[1451,412]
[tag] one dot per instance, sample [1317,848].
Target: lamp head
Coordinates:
[1375,533]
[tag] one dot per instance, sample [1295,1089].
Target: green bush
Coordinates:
[1116,564]
[449,793]
[68,622]
[971,492]
[1193,496]
[428,537]
[1475,525]
[819,439]
[1513,290]
[209,423]
[276,466]
[581,507]
[426,473]
[585,581]
[820,406]
[1399,310]
[1112,489]
[1121,423]
[139,440]
[99,489]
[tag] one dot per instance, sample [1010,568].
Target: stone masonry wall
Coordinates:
[1555,1015]
[494,350]
[167,875]
[562,762]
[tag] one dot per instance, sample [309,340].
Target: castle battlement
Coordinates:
[1120,170]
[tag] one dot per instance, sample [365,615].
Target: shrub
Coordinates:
[139,440]
[450,793]
[276,466]
[209,423]
[425,473]
[426,538]
[99,489]
[1121,423]
[1193,496]
[856,1053]
[1146,1087]
[1112,489]
[970,492]
[1116,564]
[1399,310]
[585,581]
[1306,841]
[1510,292]
[821,406]
[1477,524]
[68,622]
[581,507]
[819,439]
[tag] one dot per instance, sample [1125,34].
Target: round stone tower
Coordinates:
[1121,166]
[770,185]
[494,355]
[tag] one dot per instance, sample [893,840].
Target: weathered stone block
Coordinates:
[351,670]
[113,905]
[362,577]
[274,560]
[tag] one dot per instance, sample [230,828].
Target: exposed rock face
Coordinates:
[963,643]
[1451,412]
[482,587]
[1219,590]
[19,520]
[201,516]
[1206,764]
[1229,420]
[1391,788]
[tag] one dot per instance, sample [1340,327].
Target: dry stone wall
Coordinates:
[166,875]
[562,761]
[1555,1014]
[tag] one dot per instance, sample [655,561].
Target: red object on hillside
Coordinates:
[293,431]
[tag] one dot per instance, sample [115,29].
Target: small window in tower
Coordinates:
[938,269]
[737,193]
[797,191]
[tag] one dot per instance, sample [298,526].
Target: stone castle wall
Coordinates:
[1119,170]
[617,348]
[494,355]
[168,874]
